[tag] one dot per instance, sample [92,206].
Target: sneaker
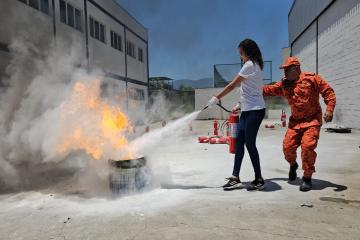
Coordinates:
[257,184]
[233,183]
[306,184]
[292,172]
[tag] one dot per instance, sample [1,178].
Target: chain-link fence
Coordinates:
[224,73]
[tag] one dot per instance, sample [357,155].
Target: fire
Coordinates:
[91,124]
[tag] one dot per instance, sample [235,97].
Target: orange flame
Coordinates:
[93,125]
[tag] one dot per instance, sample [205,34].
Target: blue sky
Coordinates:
[187,37]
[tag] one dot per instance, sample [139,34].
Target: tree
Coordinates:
[185,88]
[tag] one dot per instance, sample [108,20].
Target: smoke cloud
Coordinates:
[47,99]
[31,102]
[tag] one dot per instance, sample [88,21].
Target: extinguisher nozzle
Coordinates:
[204,108]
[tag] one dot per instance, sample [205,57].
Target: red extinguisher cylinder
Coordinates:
[233,129]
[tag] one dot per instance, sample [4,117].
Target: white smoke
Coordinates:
[30,104]
[35,90]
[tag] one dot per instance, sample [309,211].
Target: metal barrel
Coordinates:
[127,176]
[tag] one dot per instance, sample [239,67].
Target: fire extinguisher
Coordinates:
[216,127]
[283,118]
[233,129]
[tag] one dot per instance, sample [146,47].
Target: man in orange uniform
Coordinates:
[302,89]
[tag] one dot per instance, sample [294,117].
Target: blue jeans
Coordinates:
[247,131]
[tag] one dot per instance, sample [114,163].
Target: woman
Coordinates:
[250,79]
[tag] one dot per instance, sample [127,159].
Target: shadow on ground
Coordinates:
[37,177]
[318,184]
[184,187]
[269,187]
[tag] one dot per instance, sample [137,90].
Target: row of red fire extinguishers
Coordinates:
[231,125]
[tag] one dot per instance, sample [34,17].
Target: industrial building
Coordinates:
[325,35]
[108,37]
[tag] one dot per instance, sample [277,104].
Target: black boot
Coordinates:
[306,184]
[292,172]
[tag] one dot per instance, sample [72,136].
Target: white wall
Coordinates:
[116,10]
[18,20]
[202,96]
[115,91]
[110,59]
[339,58]
[136,107]
[285,53]
[136,69]
[70,36]
[102,54]
[305,49]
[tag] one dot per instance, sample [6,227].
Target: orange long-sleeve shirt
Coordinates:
[303,98]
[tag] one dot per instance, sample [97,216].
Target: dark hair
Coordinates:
[252,50]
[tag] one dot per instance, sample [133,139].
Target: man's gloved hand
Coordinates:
[214,100]
[236,108]
[328,116]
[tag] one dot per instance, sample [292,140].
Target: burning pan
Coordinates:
[127,176]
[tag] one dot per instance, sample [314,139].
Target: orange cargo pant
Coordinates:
[308,139]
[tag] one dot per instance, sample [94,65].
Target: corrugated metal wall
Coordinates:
[303,12]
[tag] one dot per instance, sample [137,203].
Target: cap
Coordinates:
[290,61]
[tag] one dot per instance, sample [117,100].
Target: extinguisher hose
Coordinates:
[223,126]
[226,110]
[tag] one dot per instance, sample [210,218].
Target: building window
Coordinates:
[97,30]
[137,94]
[70,15]
[34,4]
[42,5]
[102,32]
[63,12]
[78,24]
[130,49]
[140,54]
[116,41]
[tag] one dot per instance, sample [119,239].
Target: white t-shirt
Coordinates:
[251,92]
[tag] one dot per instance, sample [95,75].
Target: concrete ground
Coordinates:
[189,204]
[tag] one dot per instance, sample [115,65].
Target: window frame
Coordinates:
[37,2]
[116,41]
[137,94]
[140,54]
[39,5]
[66,19]
[42,9]
[93,29]
[129,47]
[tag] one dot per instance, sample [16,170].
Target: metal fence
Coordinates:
[224,73]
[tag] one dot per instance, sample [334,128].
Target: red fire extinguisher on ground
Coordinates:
[283,118]
[216,128]
[233,129]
